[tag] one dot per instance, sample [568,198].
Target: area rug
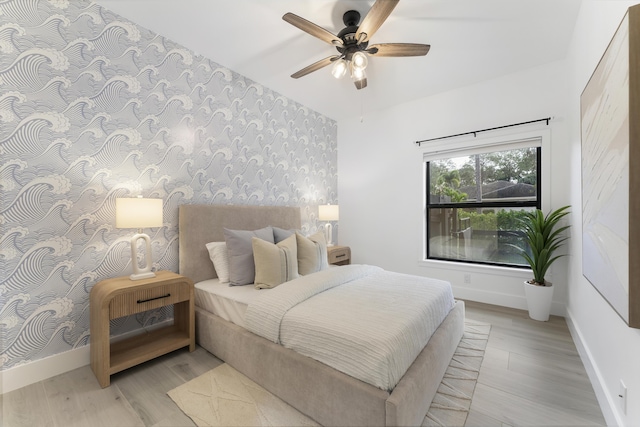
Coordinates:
[225,397]
[450,406]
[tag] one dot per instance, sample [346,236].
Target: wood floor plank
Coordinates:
[478,419]
[525,344]
[565,396]
[496,358]
[145,388]
[175,420]
[556,369]
[514,410]
[26,407]
[536,365]
[191,365]
[80,401]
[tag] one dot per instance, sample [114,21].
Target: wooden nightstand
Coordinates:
[120,296]
[339,255]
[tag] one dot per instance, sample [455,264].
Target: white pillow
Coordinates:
[312,253]
[220,259]
[275,263]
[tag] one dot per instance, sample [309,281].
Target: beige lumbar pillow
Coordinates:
[312,253]
[275,263]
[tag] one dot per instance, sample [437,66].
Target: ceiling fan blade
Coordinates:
[361,84]
[313,29]
[398,49]
[379,12]
[315,66]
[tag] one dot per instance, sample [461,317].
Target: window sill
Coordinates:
[525,274]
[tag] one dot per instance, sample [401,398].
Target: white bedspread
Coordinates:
[361,320]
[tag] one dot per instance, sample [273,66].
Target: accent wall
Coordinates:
[94,107]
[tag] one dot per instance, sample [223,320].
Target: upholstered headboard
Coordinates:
[201,224]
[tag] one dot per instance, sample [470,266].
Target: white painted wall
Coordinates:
[612,347]
[381,186]
[380,193]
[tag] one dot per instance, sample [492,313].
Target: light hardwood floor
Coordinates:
[531,375]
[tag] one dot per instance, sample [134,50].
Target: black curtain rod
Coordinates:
[474,133]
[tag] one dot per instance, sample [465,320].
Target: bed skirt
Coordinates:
[328,396]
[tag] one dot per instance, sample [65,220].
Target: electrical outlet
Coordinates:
[467,278]
[622,394]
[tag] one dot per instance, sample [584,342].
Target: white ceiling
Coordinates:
[471,41]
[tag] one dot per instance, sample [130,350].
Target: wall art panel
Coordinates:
[94,107]
[610,105]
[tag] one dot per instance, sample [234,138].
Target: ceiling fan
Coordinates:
[352,42]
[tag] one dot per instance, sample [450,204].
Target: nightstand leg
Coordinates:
[100,349]
[184,320]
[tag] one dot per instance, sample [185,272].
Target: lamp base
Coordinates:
[141,272]
[328,233]
[141,276]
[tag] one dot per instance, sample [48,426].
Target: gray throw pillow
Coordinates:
[242,270]
[279,234]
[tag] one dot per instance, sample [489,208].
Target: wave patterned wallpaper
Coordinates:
[93,107]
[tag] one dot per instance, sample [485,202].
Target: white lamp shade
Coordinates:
[138,213]
[328,212]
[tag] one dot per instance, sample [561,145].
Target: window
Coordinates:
[473,202]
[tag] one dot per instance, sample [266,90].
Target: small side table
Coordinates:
[339,255]
[120,296]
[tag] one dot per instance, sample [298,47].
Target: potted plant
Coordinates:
[543,238]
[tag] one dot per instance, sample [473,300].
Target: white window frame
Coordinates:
[469,145]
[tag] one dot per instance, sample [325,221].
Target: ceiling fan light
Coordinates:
[339,68]
[360,60]
[358,73]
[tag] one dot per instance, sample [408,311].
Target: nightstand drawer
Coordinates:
[148,299]
[339,255]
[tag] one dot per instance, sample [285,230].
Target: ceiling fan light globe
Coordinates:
[360,60]
[339,69]
[358,73]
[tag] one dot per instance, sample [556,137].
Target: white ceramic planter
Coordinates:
[538,300]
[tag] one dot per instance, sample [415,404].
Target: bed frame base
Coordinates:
[328,396]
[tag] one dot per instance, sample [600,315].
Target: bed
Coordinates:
[326,395]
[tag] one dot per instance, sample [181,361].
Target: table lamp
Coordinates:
[328,213]
[139,213]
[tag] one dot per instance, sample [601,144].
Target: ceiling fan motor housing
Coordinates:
[351,19]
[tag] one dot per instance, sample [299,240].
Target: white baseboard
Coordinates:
[42,369]
[38,370]
[611,415]
[501,299]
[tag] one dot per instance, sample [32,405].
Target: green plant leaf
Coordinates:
[544,238]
